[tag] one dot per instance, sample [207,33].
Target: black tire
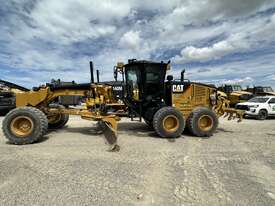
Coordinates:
[161,117]
[37,119]
[62,119]
[263,114]
[44,120]
[194,119]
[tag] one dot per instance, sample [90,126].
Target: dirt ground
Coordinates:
[71,166]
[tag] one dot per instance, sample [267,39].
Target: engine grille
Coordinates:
[200,93]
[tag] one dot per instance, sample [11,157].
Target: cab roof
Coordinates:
[135,61]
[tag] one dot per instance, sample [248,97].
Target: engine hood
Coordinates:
[239,93]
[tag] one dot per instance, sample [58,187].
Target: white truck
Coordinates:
[260,107]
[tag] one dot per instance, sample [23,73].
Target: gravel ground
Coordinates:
[236,166]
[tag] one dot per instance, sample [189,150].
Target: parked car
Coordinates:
[260,107]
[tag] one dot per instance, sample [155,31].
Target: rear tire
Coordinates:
[59,120]
[168,122]
[202,122]
[24,125]
[262,114]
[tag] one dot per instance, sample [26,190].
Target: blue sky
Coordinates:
[216,41]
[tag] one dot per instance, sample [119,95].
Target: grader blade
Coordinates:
[109,128]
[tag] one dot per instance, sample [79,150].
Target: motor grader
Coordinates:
[173,105]
[168,106]
[235,93]
[261,90]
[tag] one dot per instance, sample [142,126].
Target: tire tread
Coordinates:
[191,124]
[163,112]
[33,111]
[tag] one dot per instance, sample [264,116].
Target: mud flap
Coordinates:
[110,134]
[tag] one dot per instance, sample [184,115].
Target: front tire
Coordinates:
[262,114]
[24,125]
[168,122]
[202,122]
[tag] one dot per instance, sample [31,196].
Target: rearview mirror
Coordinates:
[168,67]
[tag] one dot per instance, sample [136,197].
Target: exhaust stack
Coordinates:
[182,75]
[97,75]
[92,72]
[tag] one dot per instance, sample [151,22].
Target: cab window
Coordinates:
[153,73]
[272,101]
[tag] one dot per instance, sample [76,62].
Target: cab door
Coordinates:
[132,84]
[271,105]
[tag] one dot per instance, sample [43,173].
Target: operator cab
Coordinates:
[145,80]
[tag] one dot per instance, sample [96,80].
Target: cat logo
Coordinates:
[178,88]
[117,88]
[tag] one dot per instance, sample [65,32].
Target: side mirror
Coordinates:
[115,73]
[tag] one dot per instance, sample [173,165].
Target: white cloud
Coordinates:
[245,80]
[216,51]
[75,21]
[258,70]
[243,37]
[130,40]
[202,54]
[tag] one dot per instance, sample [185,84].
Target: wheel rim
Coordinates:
[52,119]
[22,126]
[170,123]
[205,122]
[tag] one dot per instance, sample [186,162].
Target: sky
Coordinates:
[215,41]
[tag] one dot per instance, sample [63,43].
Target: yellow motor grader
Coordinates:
[235,93]
[171,106]
[168,106]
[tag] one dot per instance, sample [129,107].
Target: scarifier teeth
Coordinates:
[226,114]
[230,116]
